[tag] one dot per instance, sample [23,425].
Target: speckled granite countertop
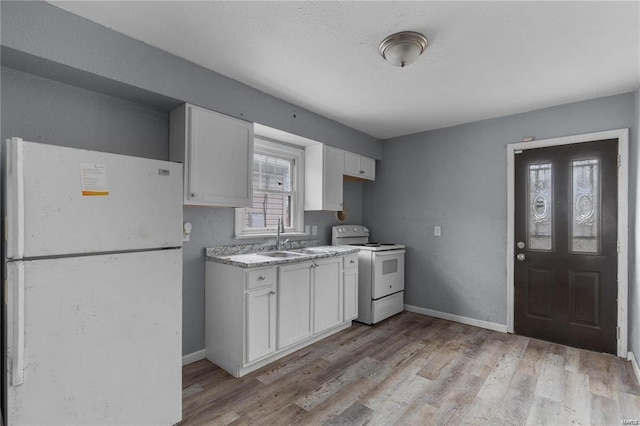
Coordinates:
[255,260]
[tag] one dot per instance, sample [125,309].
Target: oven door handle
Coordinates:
[389,252]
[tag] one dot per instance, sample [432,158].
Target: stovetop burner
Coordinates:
[373,244]
[358,236]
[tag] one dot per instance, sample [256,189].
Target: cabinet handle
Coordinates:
[193,195]
[352,262]
[361,171]
[273,292]
[261,277]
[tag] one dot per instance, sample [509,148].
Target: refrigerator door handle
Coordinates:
[16,288]
[15,199]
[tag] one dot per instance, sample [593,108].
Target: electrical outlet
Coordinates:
[314,230]
[437,231]
[307,229]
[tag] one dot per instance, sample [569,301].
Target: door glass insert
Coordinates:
[585,217]
[540,212]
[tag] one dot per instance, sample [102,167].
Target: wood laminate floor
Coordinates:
[414,369]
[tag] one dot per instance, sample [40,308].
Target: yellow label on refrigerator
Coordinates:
[94,180]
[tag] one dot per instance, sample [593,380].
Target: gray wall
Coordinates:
[68,43]
[41,110]
[634,237]
[456,177]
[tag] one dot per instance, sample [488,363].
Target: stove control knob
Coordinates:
[366,230]
[355,229]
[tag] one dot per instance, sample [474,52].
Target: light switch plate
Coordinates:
[437,231]
[186,231]
[314,230]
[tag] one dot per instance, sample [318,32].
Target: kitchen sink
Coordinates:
[281,254]
[311,251]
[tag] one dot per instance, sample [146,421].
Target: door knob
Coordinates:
[520,244]
[520,257]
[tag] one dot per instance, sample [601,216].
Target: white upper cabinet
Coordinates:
[359,166]
[217,153]
[324,167]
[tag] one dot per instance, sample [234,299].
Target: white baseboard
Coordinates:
[193,357]
[634,362]
[457,318]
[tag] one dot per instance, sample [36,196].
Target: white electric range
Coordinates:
[380,273]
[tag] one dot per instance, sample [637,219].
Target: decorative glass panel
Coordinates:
[585,222]
[540,222]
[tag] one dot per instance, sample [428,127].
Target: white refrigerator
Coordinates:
[93,297]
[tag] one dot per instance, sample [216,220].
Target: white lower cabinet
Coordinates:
[327,294]
[350,287]
[260,323]
[254,316]
[294,303]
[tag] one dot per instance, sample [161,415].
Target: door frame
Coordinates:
[623,221]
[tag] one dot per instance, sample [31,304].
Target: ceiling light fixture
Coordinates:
[403,48]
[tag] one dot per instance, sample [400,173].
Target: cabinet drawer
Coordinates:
[260,278]
[350,261]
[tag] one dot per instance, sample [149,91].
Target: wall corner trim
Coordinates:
[193,357]
[634,362]
[502,328]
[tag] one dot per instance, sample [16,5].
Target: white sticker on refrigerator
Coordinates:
[94,180]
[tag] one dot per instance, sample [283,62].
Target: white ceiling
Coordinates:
[484,59]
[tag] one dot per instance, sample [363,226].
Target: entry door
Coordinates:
[566,244]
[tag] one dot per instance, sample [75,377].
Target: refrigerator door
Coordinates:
[62,201]
[95,339]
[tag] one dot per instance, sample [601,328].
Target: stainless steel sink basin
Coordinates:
[311,251]
[281,254]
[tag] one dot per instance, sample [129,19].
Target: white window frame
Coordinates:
[286,152]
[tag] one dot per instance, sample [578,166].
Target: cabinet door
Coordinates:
[219,159]
[368,168]
[294,304]
[260,323]
[351,164]
[359,166]
[350,284]
[333,169]
[327,291]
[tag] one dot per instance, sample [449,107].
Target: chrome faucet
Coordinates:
[280,229]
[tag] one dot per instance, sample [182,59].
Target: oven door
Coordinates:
[388,272]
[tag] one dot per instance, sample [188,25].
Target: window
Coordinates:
[277,191]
